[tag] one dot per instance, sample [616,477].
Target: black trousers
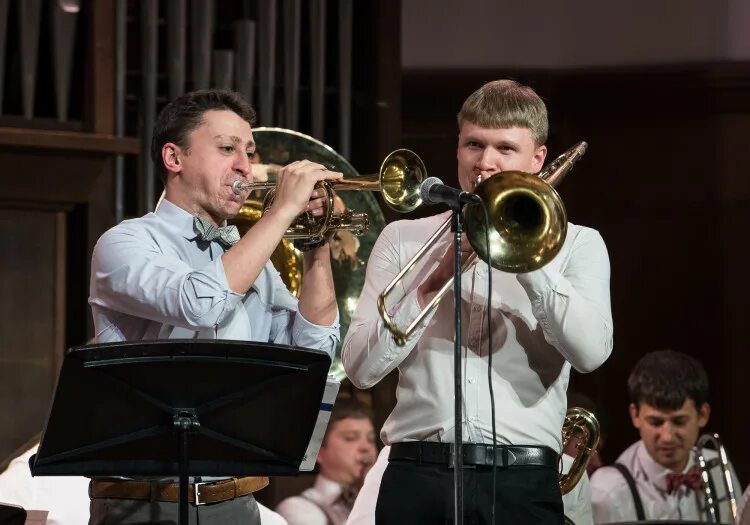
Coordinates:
[423,494]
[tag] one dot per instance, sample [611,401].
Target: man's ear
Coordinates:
[538,161]
[171,156]
[704,412]
[633,409]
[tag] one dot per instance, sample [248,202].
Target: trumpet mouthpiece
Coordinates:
[239,188]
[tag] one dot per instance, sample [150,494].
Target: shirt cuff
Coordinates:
[311,335]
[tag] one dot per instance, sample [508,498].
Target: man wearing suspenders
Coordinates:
[656,477]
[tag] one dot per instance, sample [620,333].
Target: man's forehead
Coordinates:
[469,129]
[352,423]
[688,407]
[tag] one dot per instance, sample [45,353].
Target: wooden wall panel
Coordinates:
[54,204]
[31,316]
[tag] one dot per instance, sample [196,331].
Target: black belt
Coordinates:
[474,454]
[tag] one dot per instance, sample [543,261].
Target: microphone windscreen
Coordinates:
[427,184]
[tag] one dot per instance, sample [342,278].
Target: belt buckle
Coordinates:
[196,493]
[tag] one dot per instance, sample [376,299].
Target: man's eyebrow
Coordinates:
[235,140]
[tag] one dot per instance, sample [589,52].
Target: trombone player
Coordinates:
[544,322]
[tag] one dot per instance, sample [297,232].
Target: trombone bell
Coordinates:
[528,222]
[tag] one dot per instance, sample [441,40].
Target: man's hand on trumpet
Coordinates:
[295,188]
[444,271]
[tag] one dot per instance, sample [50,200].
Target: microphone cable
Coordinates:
[489,356]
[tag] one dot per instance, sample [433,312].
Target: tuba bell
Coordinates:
[582,424]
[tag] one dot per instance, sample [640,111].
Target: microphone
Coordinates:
[434,191]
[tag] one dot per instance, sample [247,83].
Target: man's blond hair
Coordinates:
[506,104]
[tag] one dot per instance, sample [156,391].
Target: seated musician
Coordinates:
[657,477]
[543,323]
[182,273]
[346,454]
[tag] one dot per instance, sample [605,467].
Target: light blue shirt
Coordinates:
[152,278]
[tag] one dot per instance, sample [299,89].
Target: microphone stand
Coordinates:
[457,224]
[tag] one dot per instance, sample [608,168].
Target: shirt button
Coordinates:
[472,380]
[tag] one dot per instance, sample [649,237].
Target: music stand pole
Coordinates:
[458,470]
[185,422]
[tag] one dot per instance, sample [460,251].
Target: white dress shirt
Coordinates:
[321,504]
[577,502]
[612,500]
[543,322]
[151,278]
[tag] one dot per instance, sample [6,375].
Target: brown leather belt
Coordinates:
[198,493]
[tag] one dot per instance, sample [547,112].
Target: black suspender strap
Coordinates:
[640,515]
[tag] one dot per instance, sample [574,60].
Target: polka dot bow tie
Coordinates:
[226,235]
[690,479]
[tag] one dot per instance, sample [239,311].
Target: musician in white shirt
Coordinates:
[657,478]
[543,323]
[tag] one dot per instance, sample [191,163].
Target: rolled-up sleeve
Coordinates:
[291,328]
[131,275]
[573,305]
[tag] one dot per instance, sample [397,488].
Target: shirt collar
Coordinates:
[328,489]
[653,471]
[177,218]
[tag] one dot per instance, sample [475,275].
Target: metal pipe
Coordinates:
[149,42]
[292,23]
[176,29]
[317,66]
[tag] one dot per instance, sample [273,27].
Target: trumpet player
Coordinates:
[345,457]
[657,477]
[544,322]
[181,272]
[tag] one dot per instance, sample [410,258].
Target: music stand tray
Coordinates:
[182,407]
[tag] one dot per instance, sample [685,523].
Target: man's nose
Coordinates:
[488,160]
[666,432]
[242,165]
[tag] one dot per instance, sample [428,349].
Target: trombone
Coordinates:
[711,500]
[528,225]
[398,181]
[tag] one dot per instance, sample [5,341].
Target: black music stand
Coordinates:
[12,515]
[182,408]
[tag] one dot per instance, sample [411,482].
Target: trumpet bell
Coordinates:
[401,175]
[528,222]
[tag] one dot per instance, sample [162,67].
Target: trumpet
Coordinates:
[528,225]
[398,181]
[711,500]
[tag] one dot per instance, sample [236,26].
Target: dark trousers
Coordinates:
[423,494]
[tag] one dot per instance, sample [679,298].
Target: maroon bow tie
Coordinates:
[691,479]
